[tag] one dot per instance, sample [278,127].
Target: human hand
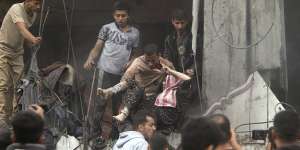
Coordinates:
[166,69]
[89,64]
[37,109]
[233,141]
[105,93]
[190,72]
[36,40]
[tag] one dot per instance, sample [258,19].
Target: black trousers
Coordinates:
[103,109]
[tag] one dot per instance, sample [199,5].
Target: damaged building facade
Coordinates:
[243,41]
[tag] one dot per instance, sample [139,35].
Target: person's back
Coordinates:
[131,140]
[27,131]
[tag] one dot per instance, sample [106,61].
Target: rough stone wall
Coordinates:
[229,29]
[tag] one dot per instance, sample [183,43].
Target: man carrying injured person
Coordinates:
[148,72]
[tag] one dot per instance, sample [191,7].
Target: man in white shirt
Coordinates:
[13,31]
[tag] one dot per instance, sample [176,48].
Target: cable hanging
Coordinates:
[231,44]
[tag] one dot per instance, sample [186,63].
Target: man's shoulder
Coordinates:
[138,60]
[134,29]
[164,60]
[139,143]
[16,7]
[109,25]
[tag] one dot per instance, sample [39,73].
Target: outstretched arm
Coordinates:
[27,34]
[175,73]
[121,86]
[94,54]
[107,93]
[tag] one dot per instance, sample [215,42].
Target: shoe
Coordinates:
[123,115]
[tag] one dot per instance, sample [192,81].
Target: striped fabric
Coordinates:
[168,97]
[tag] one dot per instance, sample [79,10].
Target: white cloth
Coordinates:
[67,143]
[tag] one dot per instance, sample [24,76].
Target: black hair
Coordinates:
[158,142]
[27,127]
[200,133]
[5,138]
[150,49]
[121,5]
[179,14]
[223,123]
[141,117]
[286,125]
[290,147]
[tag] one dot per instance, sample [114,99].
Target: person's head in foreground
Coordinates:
[27,127]
[286,128]
[201,134]
[230,138]
[159,142]
[144,122]
[5,138]
[144,126]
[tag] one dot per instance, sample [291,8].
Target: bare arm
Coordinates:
[94,54]
[122,85]
[27,34]
[175,73]
[233,141]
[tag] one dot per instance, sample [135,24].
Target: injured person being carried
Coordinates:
[150,83]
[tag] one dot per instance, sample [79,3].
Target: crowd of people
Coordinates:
[134,78]
[205,133]
[143,92]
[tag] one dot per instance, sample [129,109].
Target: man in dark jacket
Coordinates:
[178,50]
[178,44]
